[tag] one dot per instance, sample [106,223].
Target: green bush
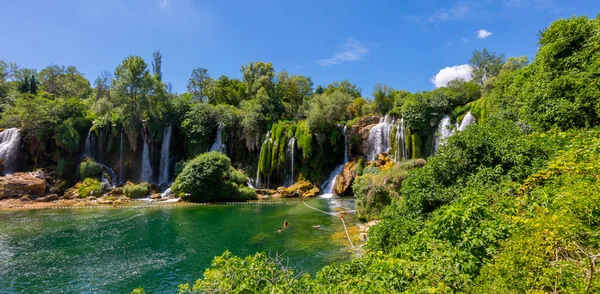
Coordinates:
[140,190]
[89,187]
[210,177]
[90,169]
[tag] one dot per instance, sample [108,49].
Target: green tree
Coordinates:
[227,91]
[485,65]
[199,84]
[326,110]
[293,91]
[345,87]
[383,99]
[131,87]
[258,75]
[64,82]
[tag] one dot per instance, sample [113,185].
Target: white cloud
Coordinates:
[451,73]
[352,50]
[164,3]
[482,34]
[457,12]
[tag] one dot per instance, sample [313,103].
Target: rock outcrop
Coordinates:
[343,182]
[20,184]
[359,134]
[302,188]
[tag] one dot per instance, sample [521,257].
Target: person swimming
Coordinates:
[286,224]
[316,227]
[280,230]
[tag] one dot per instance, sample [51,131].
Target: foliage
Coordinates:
[89,169]
[89,187]
[140,190]
[326,109]
[485,65]
[210,177]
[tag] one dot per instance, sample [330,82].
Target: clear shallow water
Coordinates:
[116,250]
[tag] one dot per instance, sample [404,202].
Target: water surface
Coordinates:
[113,250]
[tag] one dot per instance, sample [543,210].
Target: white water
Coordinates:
[329,184]
[165,156]
[218,144]
[257,183]
[88,151]
[121,171]
[10,141]
[443,132]
[468,120]
[111,173]
[146,171]
[166,194]
[401,151]
[89,144]
[379,138]
[289,163]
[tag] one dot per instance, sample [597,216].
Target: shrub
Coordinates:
[140,190]
[210,177]
[90,169]
[89,187]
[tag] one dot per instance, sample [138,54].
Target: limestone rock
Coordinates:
[19,184]
[343,182]
[47,198]
[358,134]
[302,188]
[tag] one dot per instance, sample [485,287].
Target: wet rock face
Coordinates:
[20,184]
[359,134]
[343,182]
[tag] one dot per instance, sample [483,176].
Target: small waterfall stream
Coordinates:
[218,144]
[443,132]
[10,142]
[289,163]
[401,151]
[258,183]
[146,171]
[379,138]
[165,156]
[468,120]
[89,151]
[121,165]
[329,184]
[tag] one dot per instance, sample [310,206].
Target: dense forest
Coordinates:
[509,204]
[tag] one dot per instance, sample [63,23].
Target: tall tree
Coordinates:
[199,84]
[102,85]
[64,82]
[157,65]
[258,75]
[346,87]
[293,90]
[382,97]
[485,65]
[132,85]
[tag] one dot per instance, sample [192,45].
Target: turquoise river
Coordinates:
[114,250]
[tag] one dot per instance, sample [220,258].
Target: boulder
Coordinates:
[70,193]
[383,162]
[20,184]
[302,188]
[343,182]
[359,134]
[155,196]
[47,198]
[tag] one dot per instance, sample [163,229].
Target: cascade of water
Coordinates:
[121,171]
[111,174]
[258,183]
[10,141]
[443,132]
[163,176]
[218,144]
[401,151]
[329,184]
[249,183]
[379,138]
[468,120]
[146,171]
[89,144]
[289,163]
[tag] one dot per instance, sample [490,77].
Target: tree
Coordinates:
[227,91]
[344,86]
[258,75]
[514,63]
[293,90]
[485,65]
[64,82]
[382,97]
[326,110]
[157,65]
[102,84]
[131,86]
[199,83]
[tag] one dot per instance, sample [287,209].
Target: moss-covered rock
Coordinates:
[90,169]
[140,190]
[302,188]
[89,187]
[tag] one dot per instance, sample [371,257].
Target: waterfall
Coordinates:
[329,184]
[10,141]
[401,151]
[146,172]
[289,163]
[257,183]
[468,120]
[218,145]
[90,143]
[111,173]
[379,138]
[163,176]
[121,172]
[443,132]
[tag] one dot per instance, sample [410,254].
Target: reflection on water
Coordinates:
[116,250]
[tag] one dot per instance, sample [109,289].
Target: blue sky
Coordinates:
[404,44]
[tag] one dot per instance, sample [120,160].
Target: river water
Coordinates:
[114,250]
